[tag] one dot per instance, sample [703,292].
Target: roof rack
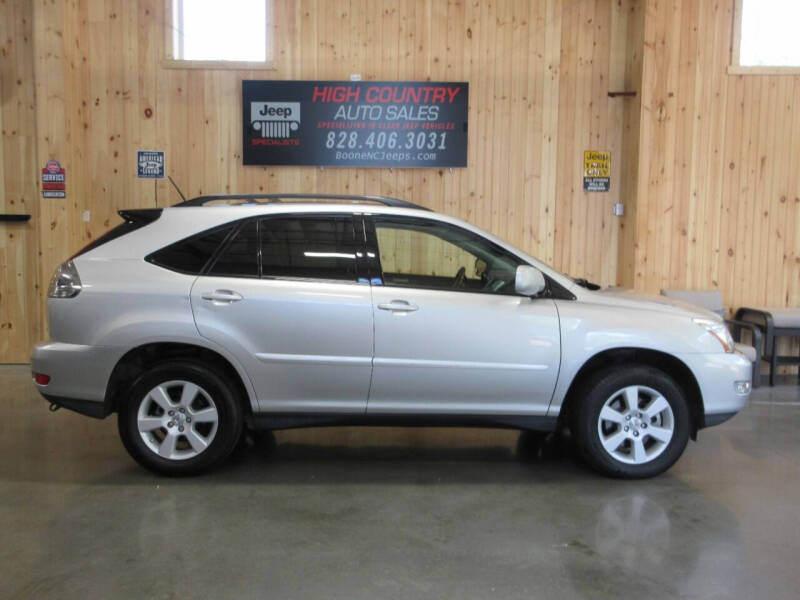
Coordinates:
[269,198]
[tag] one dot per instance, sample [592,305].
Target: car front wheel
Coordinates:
[180,418]
[633,422]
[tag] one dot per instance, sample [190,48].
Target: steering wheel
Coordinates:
[496,283]
[458,280]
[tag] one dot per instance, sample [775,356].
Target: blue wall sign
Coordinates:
[150,164]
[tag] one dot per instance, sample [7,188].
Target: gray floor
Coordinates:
[395,513]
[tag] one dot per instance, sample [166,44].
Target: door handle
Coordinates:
[399,306]
[224,296]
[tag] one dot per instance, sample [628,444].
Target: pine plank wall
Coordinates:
[705,162]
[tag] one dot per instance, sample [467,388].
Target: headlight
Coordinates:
[719,330]
[65,282]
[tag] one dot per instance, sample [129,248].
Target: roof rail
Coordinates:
[269,198]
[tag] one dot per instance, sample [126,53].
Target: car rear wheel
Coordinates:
[633,422]
[180,418]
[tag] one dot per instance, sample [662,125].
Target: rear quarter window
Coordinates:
[192,254]
[240,256]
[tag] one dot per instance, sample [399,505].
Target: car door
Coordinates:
[451,336]
[284,295]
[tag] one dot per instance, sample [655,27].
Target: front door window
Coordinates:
[433,255]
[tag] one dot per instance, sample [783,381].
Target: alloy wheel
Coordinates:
[177,420]
[636,424]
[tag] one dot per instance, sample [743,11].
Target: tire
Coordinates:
[172,428]
[654,440]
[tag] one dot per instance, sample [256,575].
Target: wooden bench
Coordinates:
[774,323]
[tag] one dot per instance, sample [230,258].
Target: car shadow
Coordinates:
[526,458]
[322,455]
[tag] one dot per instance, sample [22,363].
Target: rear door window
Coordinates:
[309,247]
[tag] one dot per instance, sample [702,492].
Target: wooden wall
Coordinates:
[704,161]
[20,304]
[539,74]
[629,150]
[718,190]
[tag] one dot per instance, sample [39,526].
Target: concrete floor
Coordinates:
[395,513]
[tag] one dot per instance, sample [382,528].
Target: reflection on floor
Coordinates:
[395,513]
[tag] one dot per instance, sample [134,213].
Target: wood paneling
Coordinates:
[20,317]
[538,73]
[704,161]
[718,191]
[629,152]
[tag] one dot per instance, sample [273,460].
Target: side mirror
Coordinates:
[529,281]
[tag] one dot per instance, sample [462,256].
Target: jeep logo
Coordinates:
[274,119]
[271,111]
[274,111]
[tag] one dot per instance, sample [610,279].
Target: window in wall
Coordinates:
[217,34]
[765,37]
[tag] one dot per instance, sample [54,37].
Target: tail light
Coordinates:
[41,378]
[65,282]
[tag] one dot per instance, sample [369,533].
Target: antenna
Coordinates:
[175,185]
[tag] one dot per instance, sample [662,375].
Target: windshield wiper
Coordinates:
[585,283]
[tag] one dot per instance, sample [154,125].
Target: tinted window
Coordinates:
[239,258]
[308,247]
[429,254]
[192,254]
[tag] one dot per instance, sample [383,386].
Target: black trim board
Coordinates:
[14,218]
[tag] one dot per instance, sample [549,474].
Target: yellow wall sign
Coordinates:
[596,171]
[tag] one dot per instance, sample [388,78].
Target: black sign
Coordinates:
[355,123]
[596,184]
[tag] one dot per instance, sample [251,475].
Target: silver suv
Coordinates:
[281,311]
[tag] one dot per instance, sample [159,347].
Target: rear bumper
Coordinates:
[90,408]
[78,374]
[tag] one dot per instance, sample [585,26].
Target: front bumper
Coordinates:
[717,376]
[78,374]
[711,419]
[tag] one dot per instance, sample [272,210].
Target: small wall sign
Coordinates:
[54,180]
[596,171]
[150,164]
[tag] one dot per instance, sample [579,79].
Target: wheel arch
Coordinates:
[663,361]
[137,361]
